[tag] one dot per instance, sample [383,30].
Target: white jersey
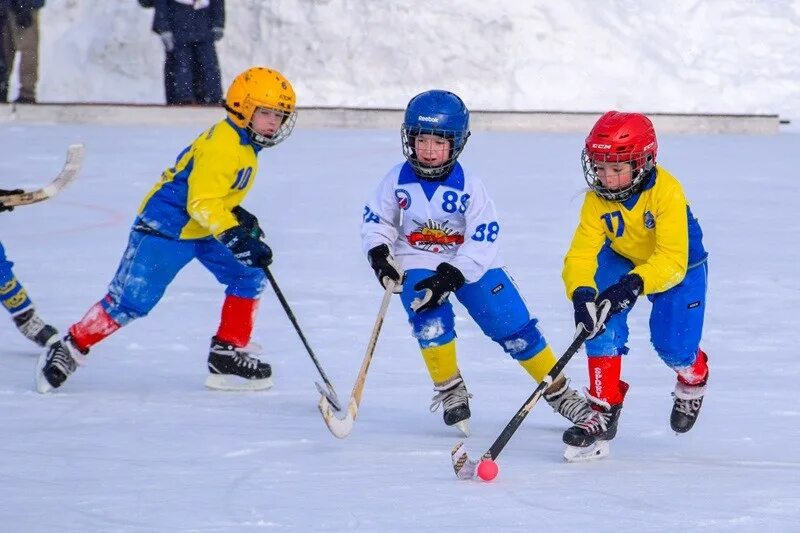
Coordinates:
[426,223]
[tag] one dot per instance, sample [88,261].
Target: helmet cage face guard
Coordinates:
[641,165]
[457,139]
[280,135]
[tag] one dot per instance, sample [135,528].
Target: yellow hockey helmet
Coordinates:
[261,87]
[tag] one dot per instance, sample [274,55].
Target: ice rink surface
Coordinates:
[134,443]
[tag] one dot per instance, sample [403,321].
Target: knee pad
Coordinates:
[525,343]
[434,328]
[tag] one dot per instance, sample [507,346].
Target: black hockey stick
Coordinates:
[67,175]
[466,468]
[326,390]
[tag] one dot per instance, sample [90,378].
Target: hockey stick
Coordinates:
[327,389]
[466,468]
[67,175]
[342,426]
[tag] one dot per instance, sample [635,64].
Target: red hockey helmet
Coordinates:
[620,138]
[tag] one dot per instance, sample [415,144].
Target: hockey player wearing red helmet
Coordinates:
[636,236]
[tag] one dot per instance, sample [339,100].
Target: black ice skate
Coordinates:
[453,396]
[686,408]
[33,327]
[568,403]
[588,439]
[234,368]
[57,363]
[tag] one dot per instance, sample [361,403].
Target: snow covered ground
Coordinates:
[682,56]
[133,443]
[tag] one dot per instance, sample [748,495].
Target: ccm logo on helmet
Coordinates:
[601,146]
[428,119]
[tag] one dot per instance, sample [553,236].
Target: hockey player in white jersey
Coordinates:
[432,229]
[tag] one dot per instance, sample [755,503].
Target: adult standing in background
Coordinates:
[188,29]
[20,32]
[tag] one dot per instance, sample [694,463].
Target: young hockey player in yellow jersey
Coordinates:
[194,213]
[636,236]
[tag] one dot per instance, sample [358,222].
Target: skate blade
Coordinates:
[593,452]
[229,382]
[42,385]
[463,427]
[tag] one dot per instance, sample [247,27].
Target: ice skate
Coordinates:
[55,365]
[686,407]
[34,328]
[236,369]
[567,402]
[454,398]
[588,439]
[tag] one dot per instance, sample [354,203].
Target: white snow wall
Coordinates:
[686,56]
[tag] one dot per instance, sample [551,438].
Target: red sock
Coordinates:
[95,326]
[697,373]
[604,378]
[236,324]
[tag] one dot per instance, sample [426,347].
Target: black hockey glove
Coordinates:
[386,267]
[246,249]
[248,221]
[587,315]
[622,295]
[437,287]
[4,192]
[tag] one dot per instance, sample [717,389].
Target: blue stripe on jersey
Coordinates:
[697,252]
[165,211]
[454,180]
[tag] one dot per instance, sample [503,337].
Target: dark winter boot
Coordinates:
[452,395]
[235,368]
[57,364]
[686,407]
[33,327]
[601,425]
[567,402]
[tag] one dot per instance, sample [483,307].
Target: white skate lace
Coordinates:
[63,360]
[569,404]
[595,422]
[243,359]
[450,398]
[688,407]
[31,327]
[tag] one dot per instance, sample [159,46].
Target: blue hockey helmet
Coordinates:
[440,113]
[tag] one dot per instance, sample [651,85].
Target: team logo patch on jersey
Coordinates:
[403,198]
[649,220]
[433,236]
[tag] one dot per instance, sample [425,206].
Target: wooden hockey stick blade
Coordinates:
[340,426]
[67,175]
[464,467]
[330,394]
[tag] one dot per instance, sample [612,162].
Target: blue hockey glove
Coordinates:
[248,221]
[587,315]
[4,192]
[386,267]
[437,287]
[246,249]
[622,295]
